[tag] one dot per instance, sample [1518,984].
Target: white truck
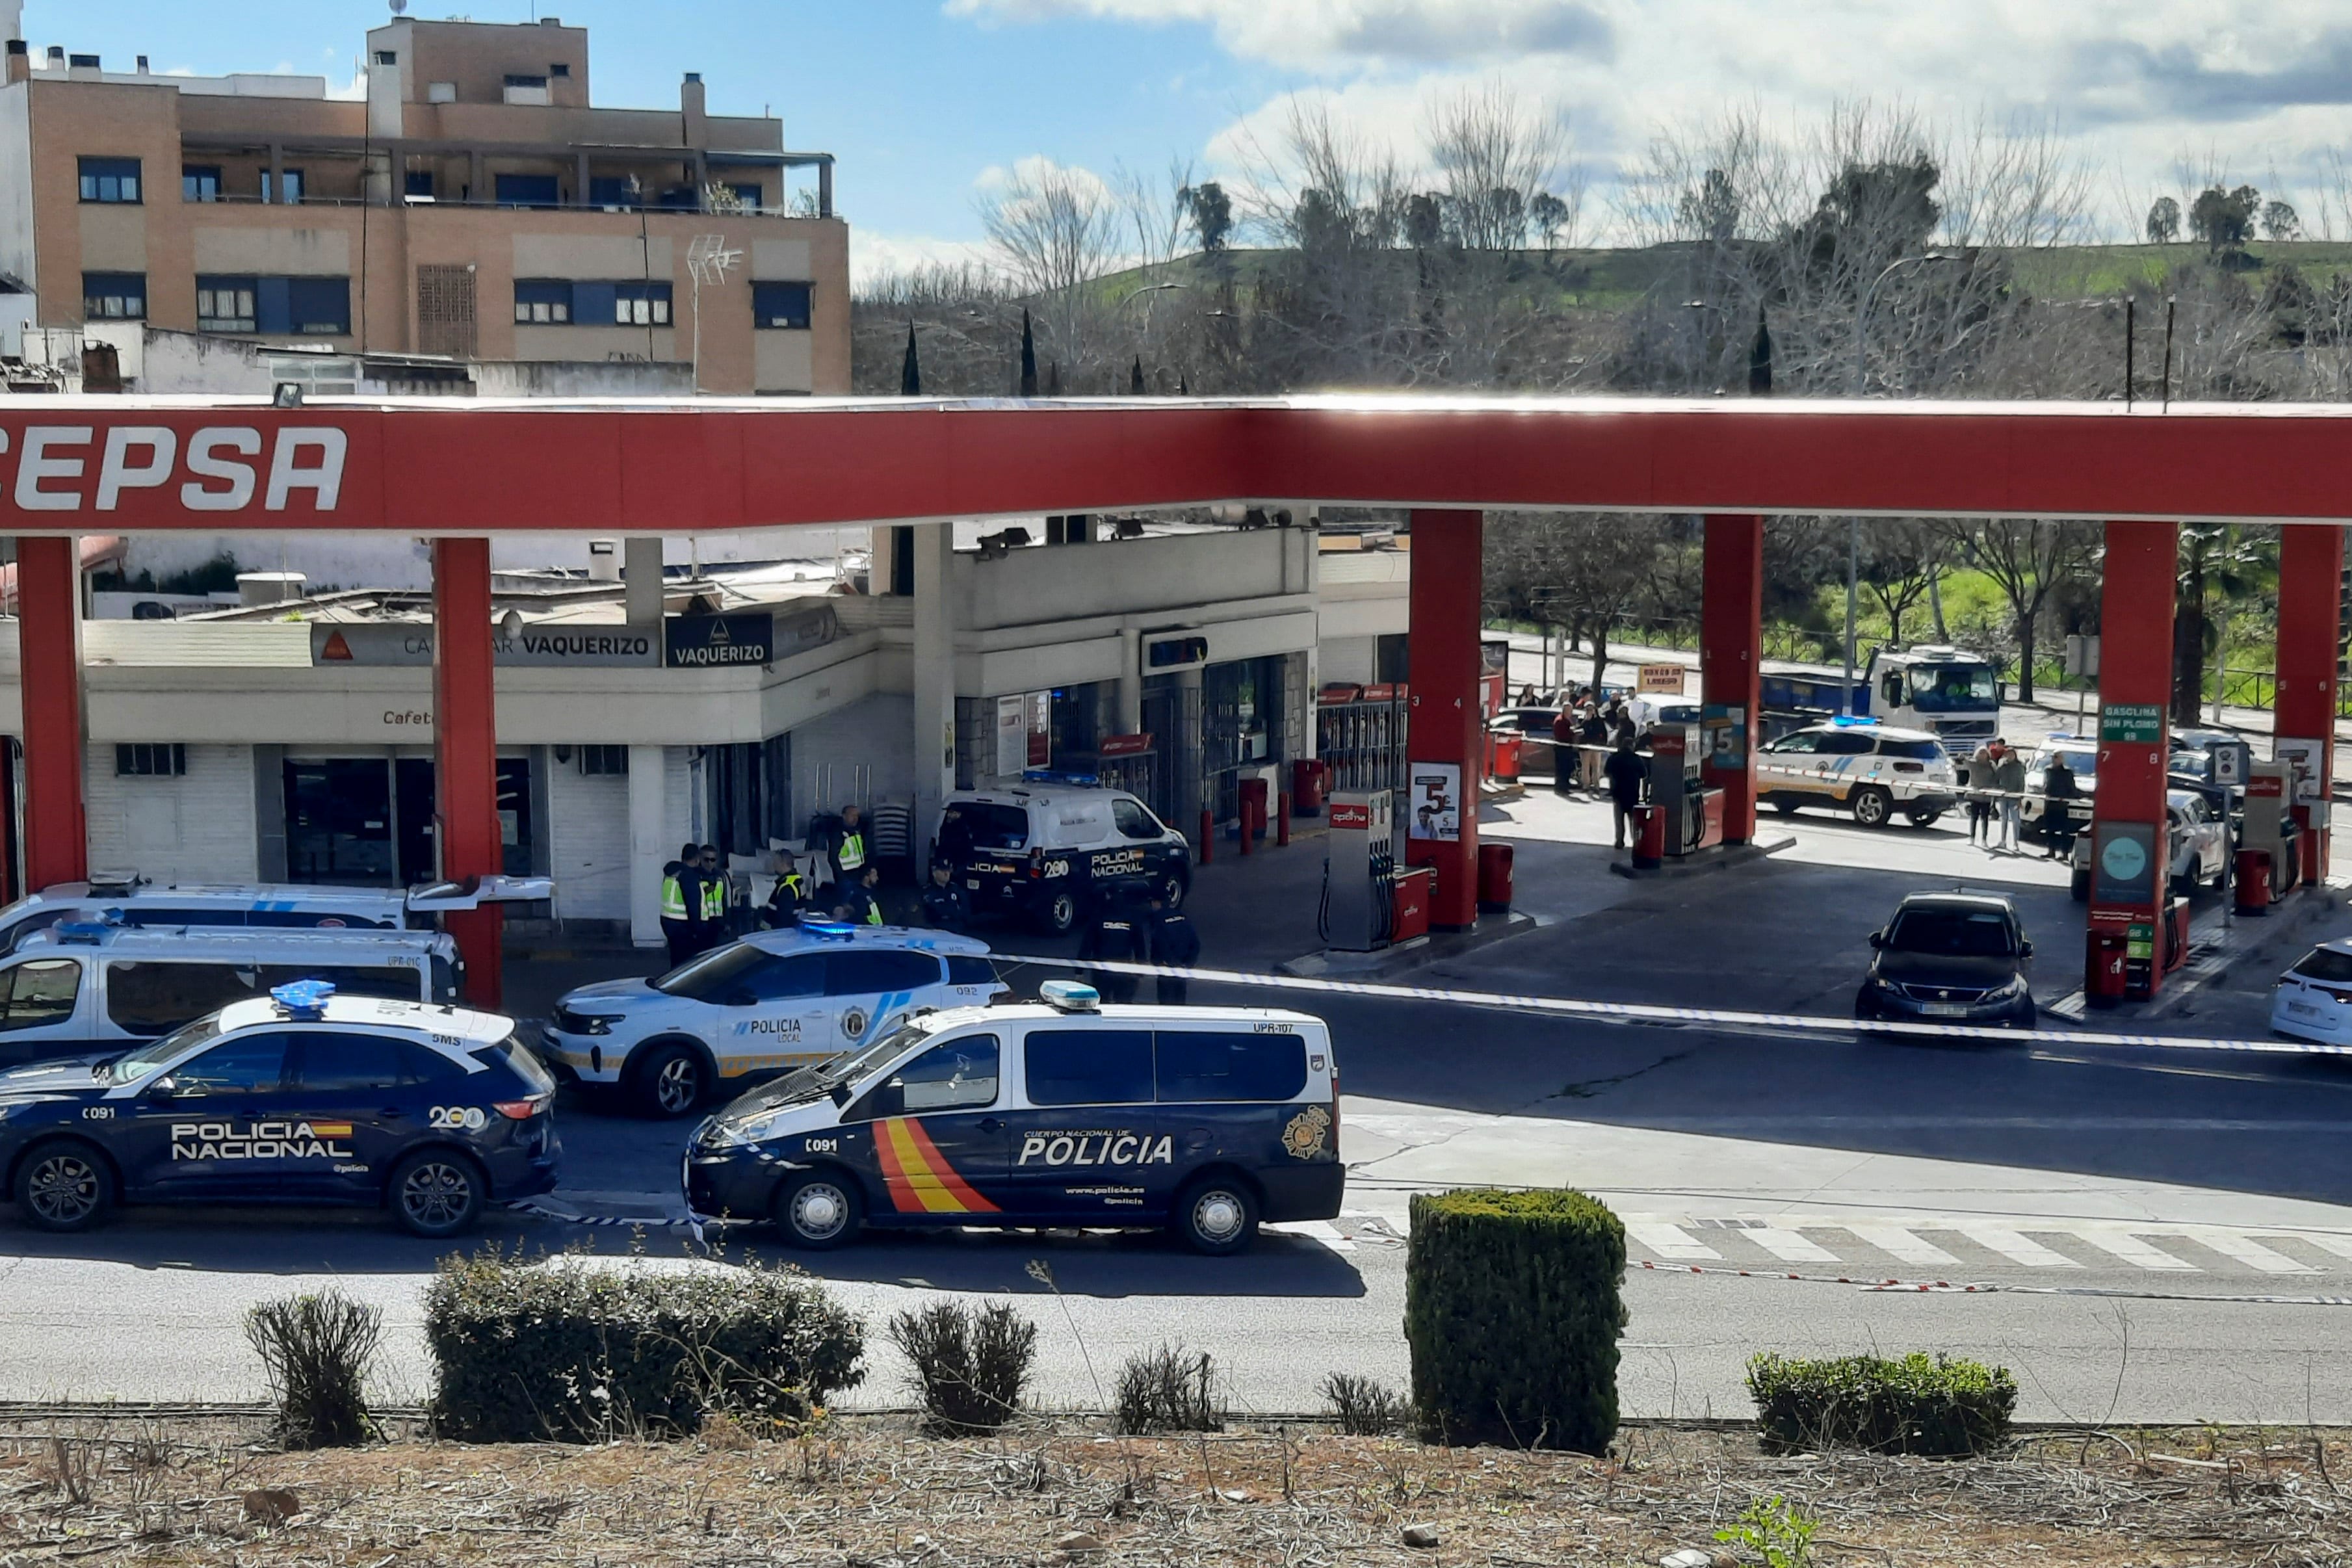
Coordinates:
[1949,693]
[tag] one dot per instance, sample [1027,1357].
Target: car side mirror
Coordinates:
[2025,950]
[1878,939]
[165,1087]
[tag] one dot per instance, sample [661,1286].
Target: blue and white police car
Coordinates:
[1061,1112]
[300,1097]
[125,898]
[770,1003]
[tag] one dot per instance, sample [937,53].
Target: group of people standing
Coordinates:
[1592,748]
[1131,926]
[1992,781]
[699,909]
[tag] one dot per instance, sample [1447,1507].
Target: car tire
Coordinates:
[64,1185]
[436,1193]
[818,1210]
[1922,818]
[2079,885]
[1873,806]
[669,1080]
[1173,887]
[1060,915]
[1216,1215]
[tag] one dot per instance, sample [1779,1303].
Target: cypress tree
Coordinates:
[1135,382]
[910,373]
[1028,357]
[1760,358]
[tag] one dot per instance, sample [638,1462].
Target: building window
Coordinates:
[420,182]
[641,304]
[605,762]
[783,305]
[542,301]
[558,69]
[110,179]
[200,183]
[387,57]
[528,190]
[440,92]
[748,194]
[226,304]
[527,90]
[114,296]
[291,194]
[615,191]
[320,305]
[161,760]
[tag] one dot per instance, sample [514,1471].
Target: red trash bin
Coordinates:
[1411,890]
[2103,980]
[1495,878]
[1309,777]
[2253,879]
[1505,747]
[1649,837]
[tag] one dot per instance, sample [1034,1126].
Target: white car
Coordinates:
[774,1001]
[2314,998]
[1870,769]
[2081,759]
[2200,846]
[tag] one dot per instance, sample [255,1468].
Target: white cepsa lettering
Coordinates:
[220,468]
[260,1141]
[1096,1149]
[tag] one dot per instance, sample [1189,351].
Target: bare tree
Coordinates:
[1901,560]
[2029,560]
[1056,230]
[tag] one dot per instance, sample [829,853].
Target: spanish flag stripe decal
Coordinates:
[919,1179]
[330,1129]
[969,1201]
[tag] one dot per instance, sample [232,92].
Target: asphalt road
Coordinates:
[2118,1198]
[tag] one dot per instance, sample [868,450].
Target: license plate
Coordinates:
[1944,1009]
[2302,1009]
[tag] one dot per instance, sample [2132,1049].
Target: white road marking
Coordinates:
[2136,1250]
[2326,1241]
[1787,1244]
[2016,1247]
[2249,1252]
[1669,1240]
[1902,1245]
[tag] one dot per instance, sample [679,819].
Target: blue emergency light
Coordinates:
[305,999]
[1070,996]
[1054,775]
[1853,719]
[828,930]
[79,933]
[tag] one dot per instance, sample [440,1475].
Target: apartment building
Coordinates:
[477,204]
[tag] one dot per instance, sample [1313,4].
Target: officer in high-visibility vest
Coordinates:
[849,848]
[681,902]
[713,913]
[860,902]
[783,906]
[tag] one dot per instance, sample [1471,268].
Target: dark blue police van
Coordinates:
[299,1097]
[1064,1112]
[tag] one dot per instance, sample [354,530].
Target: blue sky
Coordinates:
[922,99]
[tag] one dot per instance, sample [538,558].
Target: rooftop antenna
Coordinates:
[707,258]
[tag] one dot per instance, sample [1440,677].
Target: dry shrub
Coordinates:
[970,1364]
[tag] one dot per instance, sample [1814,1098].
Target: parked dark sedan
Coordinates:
[1950,957]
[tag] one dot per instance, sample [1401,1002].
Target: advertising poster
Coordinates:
[1434,804]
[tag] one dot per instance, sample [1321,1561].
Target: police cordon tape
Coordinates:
[1639,1012]
[1948,1287]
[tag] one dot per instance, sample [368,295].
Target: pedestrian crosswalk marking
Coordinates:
[2016,1247]
[2137,1250]
[1903,1245]
[1787,1244]
[2252,1253]
[1669,1240]
[2339,1245]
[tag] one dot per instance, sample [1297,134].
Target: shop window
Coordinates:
[780,306]
[110,179]
[200,183]
[142,760]
[542,301]
[114,296]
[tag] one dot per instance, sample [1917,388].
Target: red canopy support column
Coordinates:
[466,752]
[1444,737]
[2129,884]
[2310,635]
[1731,664]
[48,628]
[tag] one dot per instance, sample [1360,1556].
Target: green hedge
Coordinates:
[1920,1405]
[1512,1313]
[575,1351]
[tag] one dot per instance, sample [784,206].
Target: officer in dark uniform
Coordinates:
[785,901]
[944,903]
[1175,944]
[1118,935]
[681,904]
[860,902]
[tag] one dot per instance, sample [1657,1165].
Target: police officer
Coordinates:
[953,845]
[849,847]
[1117,935]
[681,904]
[860,901]
[785,901]
[712,929]
[1175,944]
[944,904]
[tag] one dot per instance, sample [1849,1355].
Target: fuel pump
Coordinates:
[1694,812]
[1359,873]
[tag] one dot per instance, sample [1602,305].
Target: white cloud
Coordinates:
[872,255]
[1318,33]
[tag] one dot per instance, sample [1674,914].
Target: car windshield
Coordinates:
[138,1063]
[1951,933]
[995,826]
[713,974]
[1916,751]
[1953,688]
[850,1068]
[2325,963]
[2084,764]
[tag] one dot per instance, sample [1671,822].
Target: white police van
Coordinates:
[1063,1112]
[133,901]
[1042,848]
[81,986]
[774,1001]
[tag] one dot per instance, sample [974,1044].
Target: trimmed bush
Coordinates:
[1168,1389]
[1925,1404]
[970,1364]
[316,1351]
[1512,1313]
[573,1351]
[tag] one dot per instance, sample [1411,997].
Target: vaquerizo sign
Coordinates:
[712,642]
[541,647]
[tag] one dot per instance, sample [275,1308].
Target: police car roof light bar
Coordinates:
[304,999]
[830,930]
[1070,996]
[82,933]
[1055,775]
[1851,719]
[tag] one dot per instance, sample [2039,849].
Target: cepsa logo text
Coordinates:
[260,1141]
[73,467]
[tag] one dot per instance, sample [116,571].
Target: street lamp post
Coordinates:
[1854,524]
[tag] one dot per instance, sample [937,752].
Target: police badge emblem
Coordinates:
[1308,1131]
[853,1023]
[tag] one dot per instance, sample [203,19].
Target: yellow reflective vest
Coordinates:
[673,899]
[851,855]
[714,899]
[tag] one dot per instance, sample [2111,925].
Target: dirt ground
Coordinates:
[877,1494]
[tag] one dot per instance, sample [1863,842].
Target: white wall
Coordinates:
[16,180]
[876,732]
[588,841]
[199,827]
[1176,572]
[1349,660]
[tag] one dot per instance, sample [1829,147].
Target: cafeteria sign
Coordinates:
[1662,677]
[2133,723]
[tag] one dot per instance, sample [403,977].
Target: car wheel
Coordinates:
[436,1193]
[1873,806]
[1061,913]
[1173,889]
[1217,1216]
[2080,885]
[671,1081]
[818,1210]
[64,1185]
[1922,818]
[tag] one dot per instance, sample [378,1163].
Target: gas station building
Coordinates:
[1227,642]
